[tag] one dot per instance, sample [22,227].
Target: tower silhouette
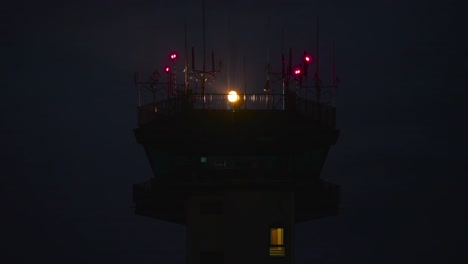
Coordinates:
[238,170]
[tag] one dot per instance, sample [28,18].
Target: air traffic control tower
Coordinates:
[239,170]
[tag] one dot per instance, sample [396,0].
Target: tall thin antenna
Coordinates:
[204,64]
[286,79]
[334,74]
[229,55]
[283,62]
[186,56]
[138,77]
[317,78]
[138,81]
[193,58]
[204,36]
[212,63]
[268,70]
[317,52]
[267,88]
[289,63]
[245,87]
[333,65]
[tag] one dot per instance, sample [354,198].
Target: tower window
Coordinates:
[203,159]
[277,242]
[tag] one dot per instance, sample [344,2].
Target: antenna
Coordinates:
[193,58]
[137,77]
[283,62]
[289,67]
[186,56]
[204,68]
[245,87]
[334,74]
[267,87]
[229,56]
[317,78]
[317,52]
[203,77]
[212,62]
[138,81]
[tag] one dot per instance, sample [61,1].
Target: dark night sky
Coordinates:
[69,157]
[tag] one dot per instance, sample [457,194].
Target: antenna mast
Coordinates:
[334,75]
[317,78]
[204,65]
[283,62]
[267,87]
[317,48]
[229,55]
[186,58]
[245,87]
[203,79]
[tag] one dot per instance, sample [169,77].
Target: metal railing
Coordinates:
[244,101]
[260,102]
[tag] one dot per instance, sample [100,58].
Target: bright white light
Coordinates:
[232,96]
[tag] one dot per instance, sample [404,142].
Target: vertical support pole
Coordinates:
[138,79]
[186,59]
[289,68]
[212,63]
[174,78]
[317,78]
[138,83]
[267,88]
[193,58]
[283,64]
[204,65]
[245,87]
[317,50]
[333,76]
[153,88]
[169,84]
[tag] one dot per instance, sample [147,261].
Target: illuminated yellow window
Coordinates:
[277,242]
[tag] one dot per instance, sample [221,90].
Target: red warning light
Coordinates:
[307,58]
[173,56]
[167,69]
[297,71]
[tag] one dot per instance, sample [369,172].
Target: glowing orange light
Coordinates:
[233,97]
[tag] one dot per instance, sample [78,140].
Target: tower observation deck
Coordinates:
[238,170]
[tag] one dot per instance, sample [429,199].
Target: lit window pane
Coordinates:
[277,242]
